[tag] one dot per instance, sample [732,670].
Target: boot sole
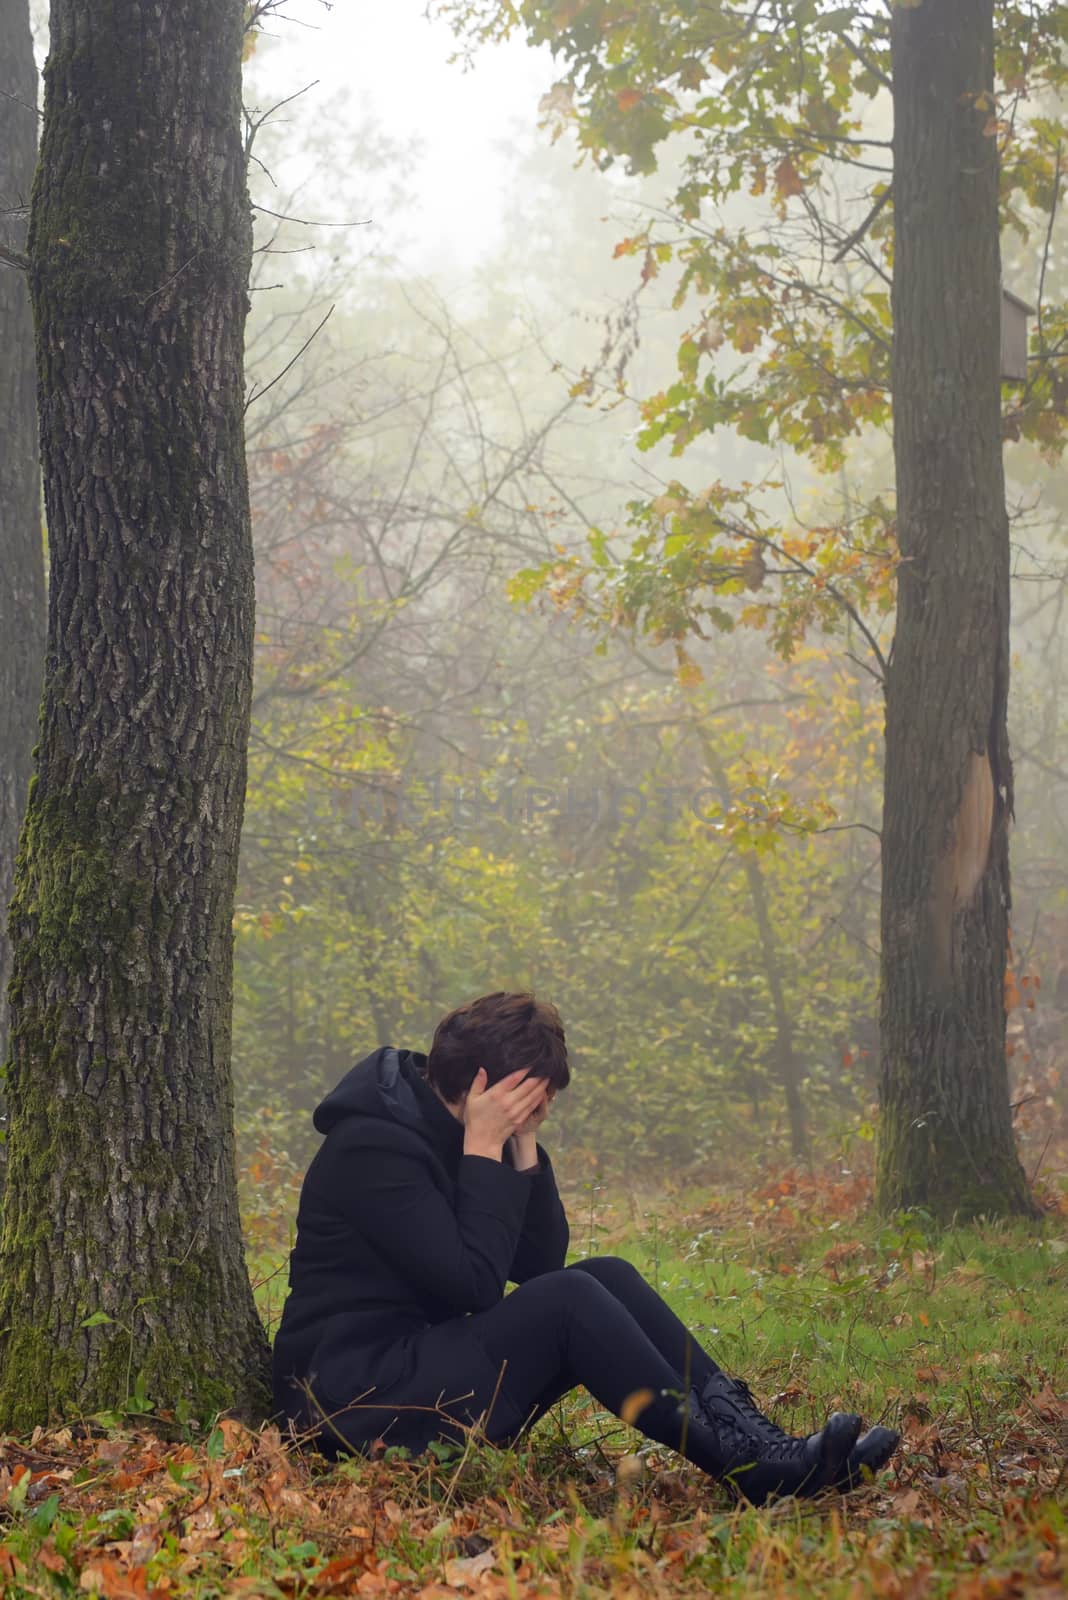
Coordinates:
[840,1434]
[856,1475]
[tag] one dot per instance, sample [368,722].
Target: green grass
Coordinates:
[956,1337]
[875,1316]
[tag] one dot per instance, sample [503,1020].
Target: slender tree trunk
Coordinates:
[785,1058]
[121,1195]
[946,1138]
[22,600]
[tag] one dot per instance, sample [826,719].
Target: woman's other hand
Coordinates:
[492,1115]
[540,1112]
[524,1141]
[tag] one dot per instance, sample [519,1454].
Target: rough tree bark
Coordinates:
[22,600]
[946,1138]
[121,1193]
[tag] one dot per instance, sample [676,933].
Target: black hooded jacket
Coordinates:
[399,1233]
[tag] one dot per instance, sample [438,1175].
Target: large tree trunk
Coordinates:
[121,1194]
[946,1139]
[22,602]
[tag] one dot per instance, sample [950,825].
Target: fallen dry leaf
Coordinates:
[463,1571]
[634,1405]
[113,1581]
[908,1503]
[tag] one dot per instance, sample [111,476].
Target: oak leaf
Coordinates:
[788,179]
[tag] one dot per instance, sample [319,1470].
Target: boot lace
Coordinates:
[748,1405]
[735,1411]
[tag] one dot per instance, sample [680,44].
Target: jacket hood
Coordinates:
[389,1085]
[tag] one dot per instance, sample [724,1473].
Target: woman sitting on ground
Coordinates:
[428,1195]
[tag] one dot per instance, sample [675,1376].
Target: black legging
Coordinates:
[598,1323]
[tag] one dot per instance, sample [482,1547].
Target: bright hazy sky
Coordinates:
[387,59]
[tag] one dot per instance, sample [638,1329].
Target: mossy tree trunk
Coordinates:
[946,1138]
[121,1193]
[22,601]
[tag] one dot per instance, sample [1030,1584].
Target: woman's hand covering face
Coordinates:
[494,1114]
[541,1111]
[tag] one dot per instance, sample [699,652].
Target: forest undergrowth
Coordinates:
[957,1337]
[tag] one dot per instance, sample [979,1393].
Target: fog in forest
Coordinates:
[533,497]
[482,756]
[480,759]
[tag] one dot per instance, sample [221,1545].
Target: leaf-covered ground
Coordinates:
[958,1338]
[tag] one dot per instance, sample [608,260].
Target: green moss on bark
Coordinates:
[934,1159]
[121,1195]
[164,1372]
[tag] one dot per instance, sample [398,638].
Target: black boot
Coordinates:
[868,1455]
[759,1459]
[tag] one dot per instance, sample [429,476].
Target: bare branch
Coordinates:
[258,394]
[254,124]
[13,258]
[1046,246]
[305,222]
[858,233]
[16,100]
[854,49]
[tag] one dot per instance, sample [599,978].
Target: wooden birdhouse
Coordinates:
[1014,315]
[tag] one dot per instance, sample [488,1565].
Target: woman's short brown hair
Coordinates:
[503,1033]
